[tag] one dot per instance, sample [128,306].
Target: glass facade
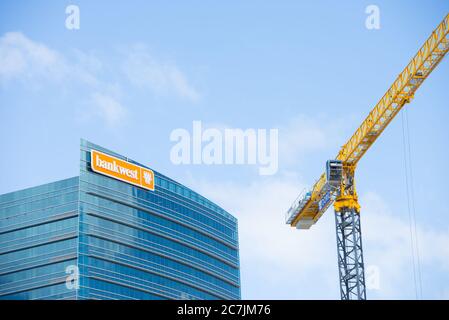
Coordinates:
[38,240]
[126,242]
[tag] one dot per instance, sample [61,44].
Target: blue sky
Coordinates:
[137,70]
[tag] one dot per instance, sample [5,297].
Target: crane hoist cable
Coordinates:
[409,184]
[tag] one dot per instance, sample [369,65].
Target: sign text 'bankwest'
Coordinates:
[122,170]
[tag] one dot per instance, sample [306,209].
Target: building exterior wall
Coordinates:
[128,242]
[38,240]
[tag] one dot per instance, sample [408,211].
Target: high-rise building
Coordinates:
[119,230]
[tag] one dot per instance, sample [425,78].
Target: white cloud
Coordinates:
[303,134]
[38,65]
[22,57]
[108,108]
[388,245]
[163,78]
[278,262]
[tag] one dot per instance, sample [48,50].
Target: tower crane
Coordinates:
[337,184]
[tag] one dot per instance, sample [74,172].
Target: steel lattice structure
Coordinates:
[350,255]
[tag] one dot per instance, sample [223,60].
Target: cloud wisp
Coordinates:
[162,78]
[279,262]
[109,108]
[304,134]
[37,65]
[22,57]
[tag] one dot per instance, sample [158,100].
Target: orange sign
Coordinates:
[122,170]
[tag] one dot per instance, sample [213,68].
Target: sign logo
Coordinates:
[122,170]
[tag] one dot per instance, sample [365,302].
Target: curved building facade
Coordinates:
[118,231]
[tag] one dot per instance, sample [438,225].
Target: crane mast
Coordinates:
[337,184]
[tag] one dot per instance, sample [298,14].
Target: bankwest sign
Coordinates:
[122,170]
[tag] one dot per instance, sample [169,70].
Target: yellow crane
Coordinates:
[337,184]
